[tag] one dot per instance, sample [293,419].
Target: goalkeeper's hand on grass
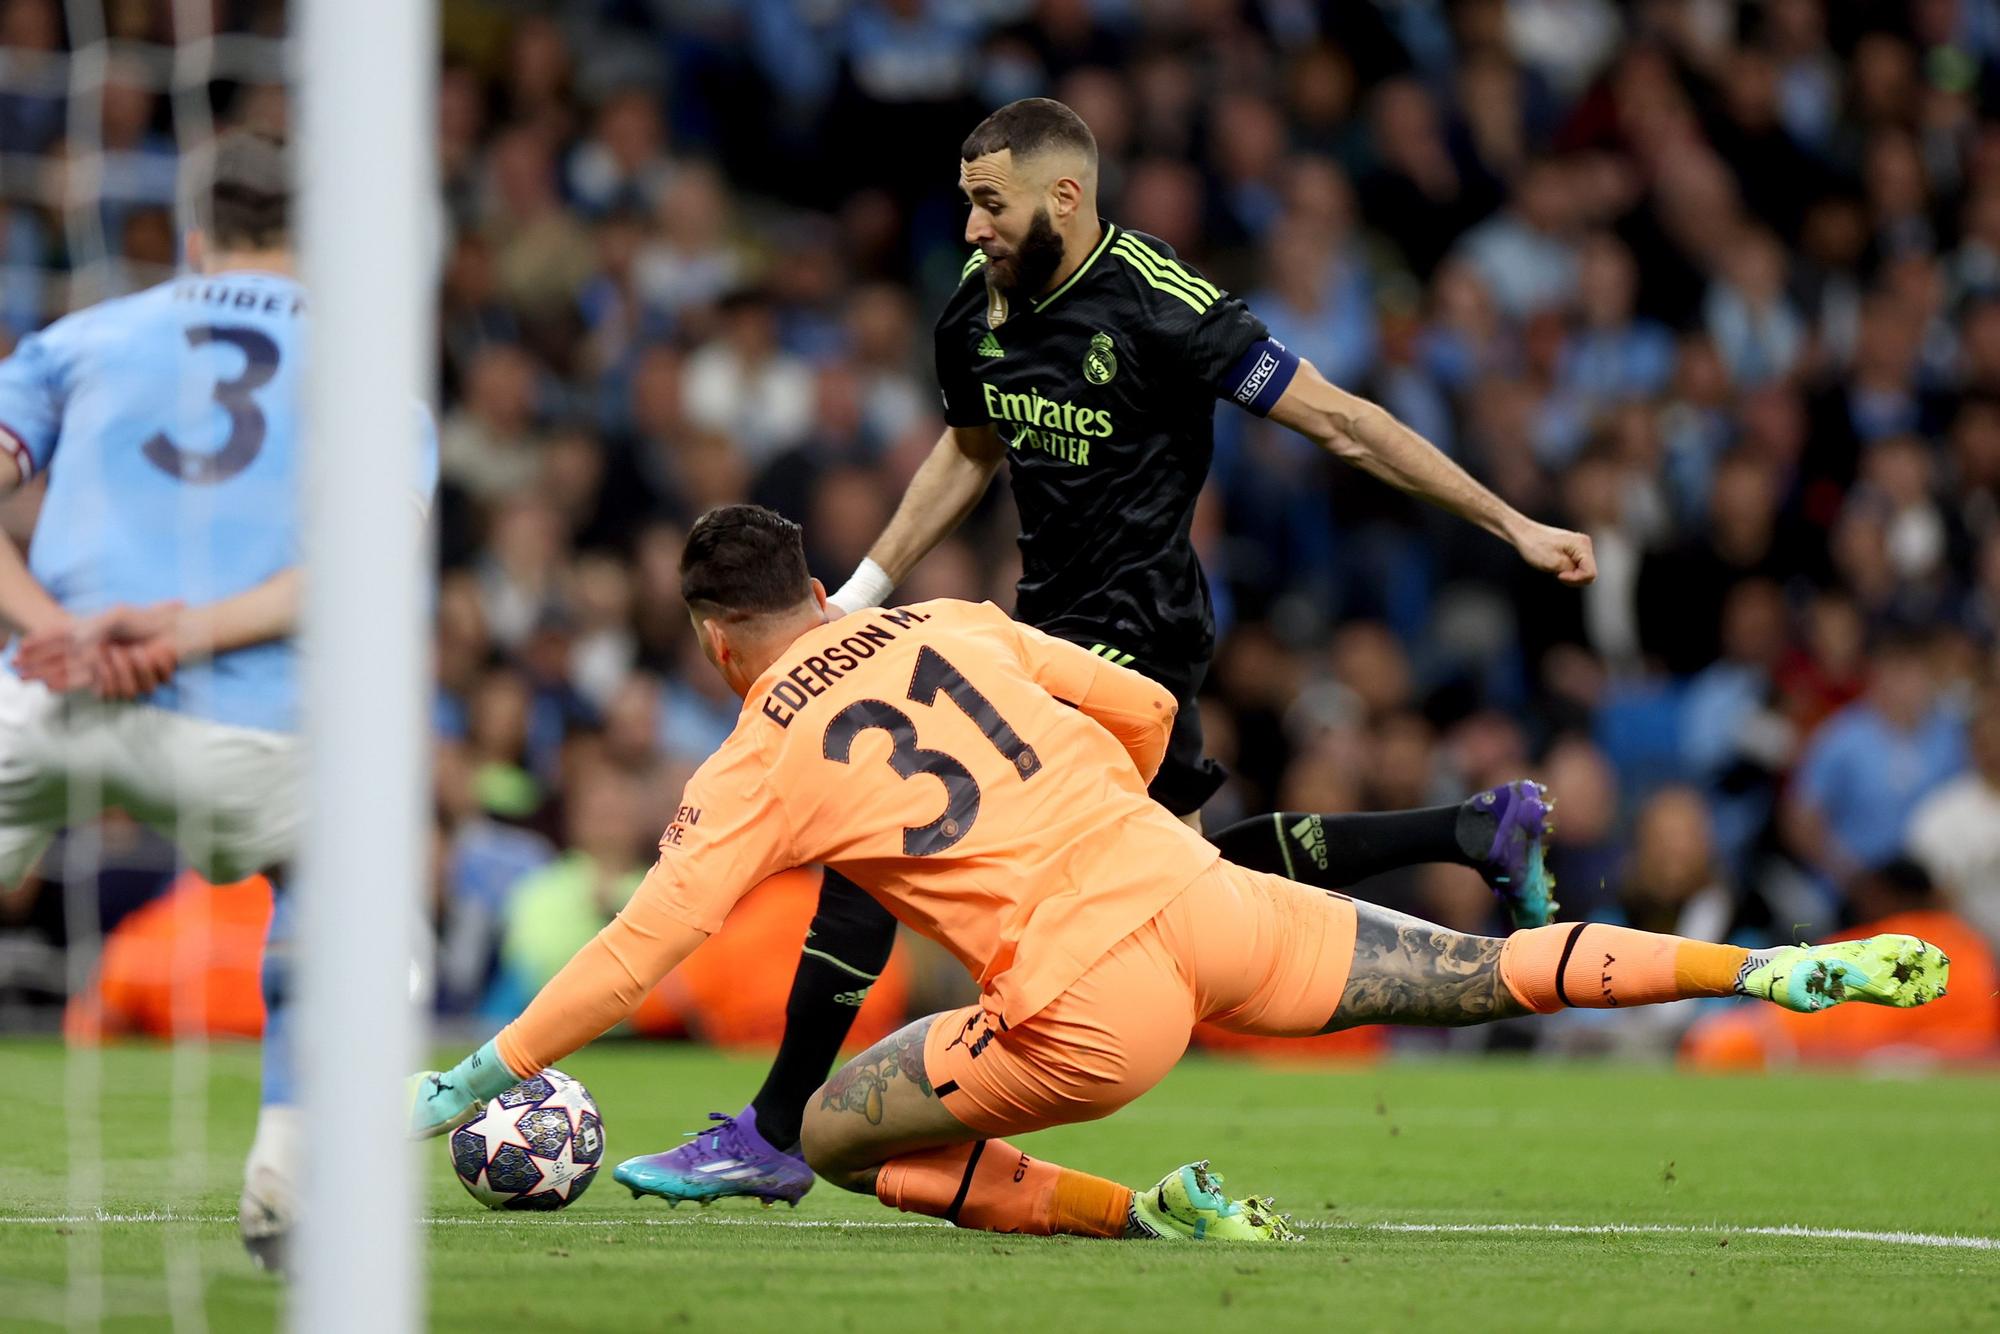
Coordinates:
[442,1101]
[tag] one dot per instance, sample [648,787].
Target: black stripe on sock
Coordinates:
[946,1089]
[965,1186]
[1562,966]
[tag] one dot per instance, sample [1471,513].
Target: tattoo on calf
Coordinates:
[1408,971]
[863,1083]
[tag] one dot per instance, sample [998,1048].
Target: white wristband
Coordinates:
[869,586]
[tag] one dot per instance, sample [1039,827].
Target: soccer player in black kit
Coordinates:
[1089,358]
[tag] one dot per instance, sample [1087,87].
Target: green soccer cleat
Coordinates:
[1190,1206]
[1881,970]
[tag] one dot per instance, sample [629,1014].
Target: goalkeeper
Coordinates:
[988,782]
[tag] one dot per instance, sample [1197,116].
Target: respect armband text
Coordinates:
[1258,379]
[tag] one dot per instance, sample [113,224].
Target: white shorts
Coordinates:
[229,796]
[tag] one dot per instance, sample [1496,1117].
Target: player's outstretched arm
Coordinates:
[728,835]
[1136,709]
[946,487]
[596,989]
[1364,434]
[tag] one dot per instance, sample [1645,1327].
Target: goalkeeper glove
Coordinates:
[442,1102]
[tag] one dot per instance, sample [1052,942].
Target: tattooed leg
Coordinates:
[1409,971]
[877,1106]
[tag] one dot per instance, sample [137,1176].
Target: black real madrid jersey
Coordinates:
[1104,391]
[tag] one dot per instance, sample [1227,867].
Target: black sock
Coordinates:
[846,949]
[1334,851]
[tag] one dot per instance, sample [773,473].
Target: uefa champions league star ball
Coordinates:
[537,1146]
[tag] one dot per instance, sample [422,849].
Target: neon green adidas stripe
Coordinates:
[1083,268]
[1161,270]
[1175,269]
[978,258]
[1167,281]
[1195,303]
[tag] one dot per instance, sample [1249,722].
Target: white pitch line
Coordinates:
[1932,1239]
[496,1219]
[1682,1229]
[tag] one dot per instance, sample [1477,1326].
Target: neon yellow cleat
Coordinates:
[1190,1206]
[1881,970]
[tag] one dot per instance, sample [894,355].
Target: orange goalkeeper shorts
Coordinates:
[1246,951]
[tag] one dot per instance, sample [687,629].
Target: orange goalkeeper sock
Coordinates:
[1592,966]
[994,1187]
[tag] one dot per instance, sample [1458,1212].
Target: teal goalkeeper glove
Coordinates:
[440,1103]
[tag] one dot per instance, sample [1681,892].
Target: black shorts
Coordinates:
[1187,778]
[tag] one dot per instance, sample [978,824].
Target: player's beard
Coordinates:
[1036,259]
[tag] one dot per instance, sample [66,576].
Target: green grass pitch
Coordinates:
[1430,1190]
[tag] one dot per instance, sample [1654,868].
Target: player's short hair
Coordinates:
[1029,127]
[744,560]
[250,192]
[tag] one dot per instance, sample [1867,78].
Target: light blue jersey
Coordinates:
[169,423]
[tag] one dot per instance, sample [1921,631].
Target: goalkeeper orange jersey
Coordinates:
[985,781]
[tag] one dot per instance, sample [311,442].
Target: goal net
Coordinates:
[129,980]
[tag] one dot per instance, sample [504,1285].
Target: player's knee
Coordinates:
[830,1153]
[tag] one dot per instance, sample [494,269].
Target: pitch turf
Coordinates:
[1362,1155]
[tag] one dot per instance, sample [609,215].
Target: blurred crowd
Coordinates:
[1717,283]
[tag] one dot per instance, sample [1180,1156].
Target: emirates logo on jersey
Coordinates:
[1100,363]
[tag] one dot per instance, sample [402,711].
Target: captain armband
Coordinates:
[1258,379]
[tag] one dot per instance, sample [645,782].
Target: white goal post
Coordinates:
[366,155]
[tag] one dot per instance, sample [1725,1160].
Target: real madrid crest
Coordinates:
[1100,363]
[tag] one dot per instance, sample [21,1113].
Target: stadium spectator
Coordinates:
[554,910]
[1525,253]
[542,249]
[1317,298]
[1756,331]
[1955,832]
[1682,589]
[1613,355]
[140,165]
[1865,771]
[1737,743]
[1585,851]
[623,165]
[489,445]
[690,260]
[746,387]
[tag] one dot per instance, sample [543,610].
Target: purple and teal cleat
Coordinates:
[1516,866]
[729,1158]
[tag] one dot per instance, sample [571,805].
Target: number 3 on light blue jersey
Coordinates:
[246,419]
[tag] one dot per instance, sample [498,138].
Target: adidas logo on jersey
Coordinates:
[989,346]
[1312,837]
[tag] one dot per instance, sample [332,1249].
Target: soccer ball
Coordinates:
[537,1146]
